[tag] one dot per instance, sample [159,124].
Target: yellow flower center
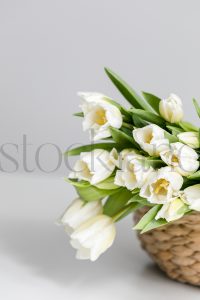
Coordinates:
[160,187]
[100,117]
[148,138]
[175,159]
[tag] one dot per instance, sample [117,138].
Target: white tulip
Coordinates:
[171,109]
[161,186]
[118,158]
[181,157]
[79,212]
[151,139]
[192,197]
[114,157]
[134,172]
[93,237]
[99,115]
[172,210]
[94,166]
[190,138]
[127,151]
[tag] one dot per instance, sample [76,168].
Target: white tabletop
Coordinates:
[37,262]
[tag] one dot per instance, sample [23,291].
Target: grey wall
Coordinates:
[51,49]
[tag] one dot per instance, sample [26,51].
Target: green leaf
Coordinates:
[88,148]
[189,182]
[107,184]
[92,193]
[126,115]
[171,138]
[127,131]
[188,126]
[141,200]
[148,217]
[195,176]
[116,202]
[199,137]
[130,95]
[148,116]
[197,107]
[184,210]
[123,140]
[138,122]
[152,100]
[76,183]
[154,224]
[175,130]
[130,208]
[79,114]
[155,162]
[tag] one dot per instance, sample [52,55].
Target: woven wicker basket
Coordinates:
[175,247]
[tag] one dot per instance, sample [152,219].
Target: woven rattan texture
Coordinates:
[175,247]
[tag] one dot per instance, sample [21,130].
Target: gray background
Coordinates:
[52,49]
[49,51]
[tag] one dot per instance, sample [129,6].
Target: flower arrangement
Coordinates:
[148,157]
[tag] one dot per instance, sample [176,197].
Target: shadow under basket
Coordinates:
[175,247]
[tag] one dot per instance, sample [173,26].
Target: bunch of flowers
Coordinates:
[148,156]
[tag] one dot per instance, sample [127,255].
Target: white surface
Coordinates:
[50,49]
[36,261]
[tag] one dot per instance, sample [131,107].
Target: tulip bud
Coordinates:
[93,237]
[171,109]
[192,196]
[173,210]
[190,138]
[79,212]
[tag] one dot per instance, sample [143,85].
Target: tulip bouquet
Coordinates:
[148,157]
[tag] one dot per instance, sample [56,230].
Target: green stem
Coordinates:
[127,125]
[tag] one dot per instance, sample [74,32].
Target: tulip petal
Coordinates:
[192,195]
